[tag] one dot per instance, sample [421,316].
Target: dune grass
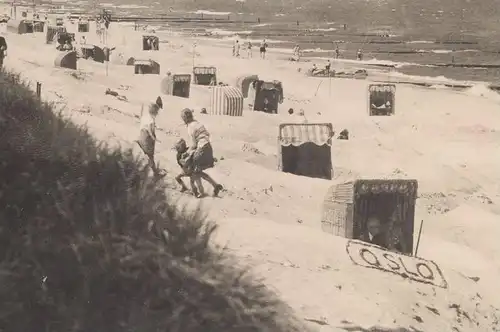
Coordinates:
[80,243]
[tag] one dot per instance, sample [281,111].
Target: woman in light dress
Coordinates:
[201,151]
[147,133]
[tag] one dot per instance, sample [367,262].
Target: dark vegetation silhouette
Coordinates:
[88,242]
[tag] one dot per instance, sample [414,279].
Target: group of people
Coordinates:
[316,71]
[65,46]
[248,47]
[193,158]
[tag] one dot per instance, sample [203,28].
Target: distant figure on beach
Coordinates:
[98,27]
[328,66]
[67,46]
[3,50]
[252,92]
[377,234]
[147,133]
[249,50]
[263,49]
[359,55]
[201,152]
[374,234]
[237,49]
[314,69]
[337,52]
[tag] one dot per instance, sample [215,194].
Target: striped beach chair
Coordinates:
[226,100]
[306,149]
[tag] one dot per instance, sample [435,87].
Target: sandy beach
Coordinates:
[446,139]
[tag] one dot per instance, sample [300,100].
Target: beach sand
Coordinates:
[448,140]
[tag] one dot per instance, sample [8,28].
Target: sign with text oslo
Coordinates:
[414,268]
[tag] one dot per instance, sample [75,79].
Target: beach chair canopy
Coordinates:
[143,63]
[204,70]
[305,149]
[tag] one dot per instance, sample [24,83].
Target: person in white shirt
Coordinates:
[200,150]
[251,95]
[147,133]
[249,50]
[237,49]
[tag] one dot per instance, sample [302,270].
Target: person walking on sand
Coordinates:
[147,132]
[201,152]
[263,49]
[359,55]
[237,49]
[251,95]
[249,50]
[3,50]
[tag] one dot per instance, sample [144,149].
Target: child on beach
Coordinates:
[184,159]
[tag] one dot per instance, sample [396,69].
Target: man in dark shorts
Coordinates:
[263,48]
[3,50]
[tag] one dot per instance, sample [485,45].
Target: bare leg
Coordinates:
[199,184]
[217,187]
[192,183]
[178,178]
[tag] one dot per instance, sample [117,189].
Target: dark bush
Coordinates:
[80,244]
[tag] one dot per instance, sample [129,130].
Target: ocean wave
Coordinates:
[252,40]
[323,29]
[420,42]
[243,39]
[209,12]
[441,51]
[315,50]
[221,32]
[131,6]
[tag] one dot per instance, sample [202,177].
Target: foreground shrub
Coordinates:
[80,244]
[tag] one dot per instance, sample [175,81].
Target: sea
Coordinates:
[452,39]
